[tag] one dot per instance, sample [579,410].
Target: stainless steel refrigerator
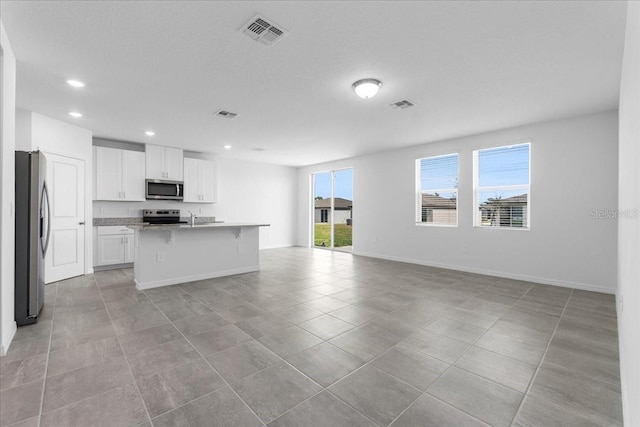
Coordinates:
[33,219]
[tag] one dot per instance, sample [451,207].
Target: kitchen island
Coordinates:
[179,253]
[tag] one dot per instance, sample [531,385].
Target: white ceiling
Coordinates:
[469,67]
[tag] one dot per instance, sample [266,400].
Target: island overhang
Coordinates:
[179,253]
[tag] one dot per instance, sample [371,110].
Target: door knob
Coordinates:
[81,223]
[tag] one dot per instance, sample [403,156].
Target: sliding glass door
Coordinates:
[333,209]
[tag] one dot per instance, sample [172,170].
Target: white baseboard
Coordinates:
[502,274]
[276,246]
[186,279]
[112,267]
[6,341]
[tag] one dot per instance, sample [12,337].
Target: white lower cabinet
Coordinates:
[114,245]
[130,248]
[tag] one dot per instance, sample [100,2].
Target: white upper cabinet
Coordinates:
[191,180]
[133,164]
[199,181]
[174,162]
[119,174]
[108,173]
[164,163]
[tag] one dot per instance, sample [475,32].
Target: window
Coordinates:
[437,190]
[501,186]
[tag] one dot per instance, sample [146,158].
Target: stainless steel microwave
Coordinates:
[157,189]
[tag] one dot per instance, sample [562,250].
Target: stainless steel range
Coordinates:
[162,216]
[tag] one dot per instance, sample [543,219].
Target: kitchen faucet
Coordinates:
[193,218]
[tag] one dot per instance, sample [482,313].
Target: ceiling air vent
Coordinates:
[226,114]
[402,105]
[263,31]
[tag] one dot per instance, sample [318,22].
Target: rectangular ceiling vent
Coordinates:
[226,114]
[402,105]
[263,31]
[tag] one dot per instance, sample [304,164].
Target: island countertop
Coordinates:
[158,227]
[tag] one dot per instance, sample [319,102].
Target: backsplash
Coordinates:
[106,209]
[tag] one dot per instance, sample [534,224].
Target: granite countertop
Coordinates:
[138,221]
[150,227]
[116,221]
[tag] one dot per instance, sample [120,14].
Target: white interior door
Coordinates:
[65,180]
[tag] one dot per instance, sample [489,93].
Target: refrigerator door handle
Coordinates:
[45,195]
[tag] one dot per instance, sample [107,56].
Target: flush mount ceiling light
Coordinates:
[149,133]
[226,114]
[75,114]
[366,88]
[75,83]
[227,147]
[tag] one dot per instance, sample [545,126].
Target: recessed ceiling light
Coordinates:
[260,149]
[75,114]
[75,83]
[227,147]
[366,88]
[149,133]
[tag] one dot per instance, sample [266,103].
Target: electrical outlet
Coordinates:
[200,211]
[102,210]
[159,257]
[464,249]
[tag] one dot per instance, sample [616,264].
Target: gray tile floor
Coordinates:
[316,338]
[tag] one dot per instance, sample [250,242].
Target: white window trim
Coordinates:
[419,193]
[477,220]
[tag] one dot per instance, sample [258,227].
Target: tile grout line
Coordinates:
[46,366]
[203,358]
[388,373]
[535,374]
[368,363]
[460,357]
[282,360]
[330,385]
[135,382]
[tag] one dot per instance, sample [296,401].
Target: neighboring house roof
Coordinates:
[520,199]
[439,202]
[339,203]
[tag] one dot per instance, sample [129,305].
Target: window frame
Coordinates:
[419,192]
[477,214]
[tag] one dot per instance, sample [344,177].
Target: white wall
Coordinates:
[7,195]
[573,171]
[246,192]
[38,132]
[629,229]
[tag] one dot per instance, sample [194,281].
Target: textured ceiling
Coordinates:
[469,67]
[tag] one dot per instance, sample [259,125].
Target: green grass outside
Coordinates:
[342,235]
